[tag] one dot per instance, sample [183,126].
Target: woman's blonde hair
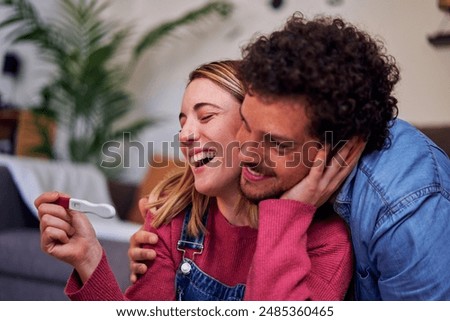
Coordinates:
[174,194]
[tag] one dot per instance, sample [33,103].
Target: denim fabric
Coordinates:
[397,204]
[191,283]
[199,286]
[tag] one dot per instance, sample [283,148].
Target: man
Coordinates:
[324,82]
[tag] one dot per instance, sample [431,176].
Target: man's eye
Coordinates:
[284,145]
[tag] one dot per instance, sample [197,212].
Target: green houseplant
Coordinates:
[87,95]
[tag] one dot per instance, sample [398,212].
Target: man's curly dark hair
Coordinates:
[344,74]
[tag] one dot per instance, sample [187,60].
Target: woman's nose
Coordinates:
[188,133]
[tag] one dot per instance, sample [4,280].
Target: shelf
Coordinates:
[439,39]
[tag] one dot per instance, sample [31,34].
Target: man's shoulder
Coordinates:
[410,163]
[406,147]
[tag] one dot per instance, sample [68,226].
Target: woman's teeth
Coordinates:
[202,158]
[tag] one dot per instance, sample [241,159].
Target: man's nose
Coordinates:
[250,150]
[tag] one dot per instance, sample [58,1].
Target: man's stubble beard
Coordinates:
[256,198]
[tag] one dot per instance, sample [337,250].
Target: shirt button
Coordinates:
[185,268]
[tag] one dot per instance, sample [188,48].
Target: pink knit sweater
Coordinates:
[290,257]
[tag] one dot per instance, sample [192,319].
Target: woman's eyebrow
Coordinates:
[200,105]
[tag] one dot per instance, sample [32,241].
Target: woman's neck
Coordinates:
[227,206]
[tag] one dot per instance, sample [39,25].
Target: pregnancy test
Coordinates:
[102,210]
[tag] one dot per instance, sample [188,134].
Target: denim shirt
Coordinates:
[397,204]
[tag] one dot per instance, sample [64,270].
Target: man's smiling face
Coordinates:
[276,150]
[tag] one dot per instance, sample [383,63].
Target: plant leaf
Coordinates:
[154,35]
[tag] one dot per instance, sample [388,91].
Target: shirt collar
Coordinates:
[343,199]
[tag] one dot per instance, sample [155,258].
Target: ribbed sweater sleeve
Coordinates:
[101,286]
[156,284]
[331,253]
[298,257]
[281,262]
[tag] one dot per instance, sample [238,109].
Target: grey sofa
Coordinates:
[27,273]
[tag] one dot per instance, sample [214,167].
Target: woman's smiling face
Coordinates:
[209,120]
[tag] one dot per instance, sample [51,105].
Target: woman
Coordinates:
[207,231]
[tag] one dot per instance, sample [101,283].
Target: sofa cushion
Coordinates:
[14,212]
[122,195]
[440,135]
[22,258]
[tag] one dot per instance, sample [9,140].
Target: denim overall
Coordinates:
[191,283]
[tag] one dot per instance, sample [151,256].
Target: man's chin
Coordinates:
[255,198]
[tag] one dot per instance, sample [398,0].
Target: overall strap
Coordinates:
[188,241]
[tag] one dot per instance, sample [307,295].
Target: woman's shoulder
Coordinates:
[168,230]
[175,221]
